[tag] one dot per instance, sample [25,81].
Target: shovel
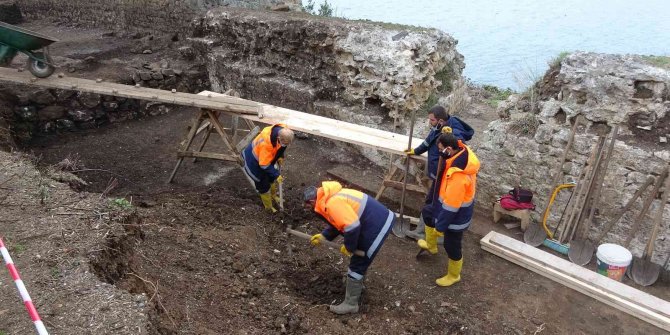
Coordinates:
[400,227]
[581,250]
[331,244]
[281,196]
[643,271]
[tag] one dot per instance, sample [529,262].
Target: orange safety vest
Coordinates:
[342,207]
[457,187]
[262,147]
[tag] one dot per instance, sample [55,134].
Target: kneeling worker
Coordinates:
[455,206]
[260,157]
[362,220]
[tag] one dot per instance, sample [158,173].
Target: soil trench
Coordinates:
[211,261]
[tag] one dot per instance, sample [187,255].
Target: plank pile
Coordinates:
[623,297]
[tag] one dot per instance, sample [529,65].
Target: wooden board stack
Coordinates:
[623,297]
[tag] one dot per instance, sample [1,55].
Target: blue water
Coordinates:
[506,43]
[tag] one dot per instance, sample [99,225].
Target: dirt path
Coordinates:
[212,262]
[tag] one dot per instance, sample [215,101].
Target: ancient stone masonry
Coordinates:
[167,16]
[524,146]
[357,70]
[33,111]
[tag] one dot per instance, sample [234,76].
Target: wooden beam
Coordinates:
[330,128]
[250,110]
[410,187]
[209,155]
[639,304]
[215,102]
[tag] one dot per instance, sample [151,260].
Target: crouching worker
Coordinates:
[456,201]
[364,223]
[262,158]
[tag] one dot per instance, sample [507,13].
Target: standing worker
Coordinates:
[455,206]
[260,157]
[362,220]
[440,121]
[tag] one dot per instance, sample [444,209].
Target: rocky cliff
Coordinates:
[361,72]
[525,145]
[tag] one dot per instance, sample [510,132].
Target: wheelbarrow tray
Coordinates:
[23,40]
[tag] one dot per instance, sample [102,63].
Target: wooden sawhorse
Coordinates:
[209,122]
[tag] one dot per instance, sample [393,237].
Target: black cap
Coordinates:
[309,194]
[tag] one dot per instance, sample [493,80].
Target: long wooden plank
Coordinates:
[215,102]
[582,273]
[250,110]
[625,298]
[330,128]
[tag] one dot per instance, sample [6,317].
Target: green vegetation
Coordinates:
[658,61]
[446,76]
[325,9]
[122,202]
[497,94]
[394,26]
[18,248]
[2,332]
[558,59]
[55,272]
[430,102]
[525,126]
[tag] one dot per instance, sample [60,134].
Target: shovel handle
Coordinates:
[657,220]
[331,244]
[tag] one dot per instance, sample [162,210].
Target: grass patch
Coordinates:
[394,26]
[429,103]
[496,94]
[446,76]
[525,126]
[558,59]
[18,248]
[122,203]
[658,61]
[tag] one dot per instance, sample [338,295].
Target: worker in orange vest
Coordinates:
[362,220]
[263,158]
[454,207]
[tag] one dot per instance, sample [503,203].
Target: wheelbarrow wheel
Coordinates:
[40,69]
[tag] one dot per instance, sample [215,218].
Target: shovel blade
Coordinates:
[534,235]
[644,272]
[400,228]
[581,252]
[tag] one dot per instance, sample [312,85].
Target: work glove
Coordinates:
[409,152]
[280,161]
[316,240]
[280,179]
[344,251]
[447,130]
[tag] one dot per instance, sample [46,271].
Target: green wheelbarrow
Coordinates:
[35,45]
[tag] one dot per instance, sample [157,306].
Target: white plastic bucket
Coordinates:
[612,260]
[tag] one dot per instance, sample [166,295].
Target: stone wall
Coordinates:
[309,63]
[29,111]
[525,145]
[167,16]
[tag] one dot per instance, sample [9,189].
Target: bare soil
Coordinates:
[200,256]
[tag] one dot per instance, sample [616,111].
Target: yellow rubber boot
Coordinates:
[266,198]
[430,243]
[453,274]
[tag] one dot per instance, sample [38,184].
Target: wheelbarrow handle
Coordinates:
[331,244]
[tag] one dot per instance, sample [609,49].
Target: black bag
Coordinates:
[522,195]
